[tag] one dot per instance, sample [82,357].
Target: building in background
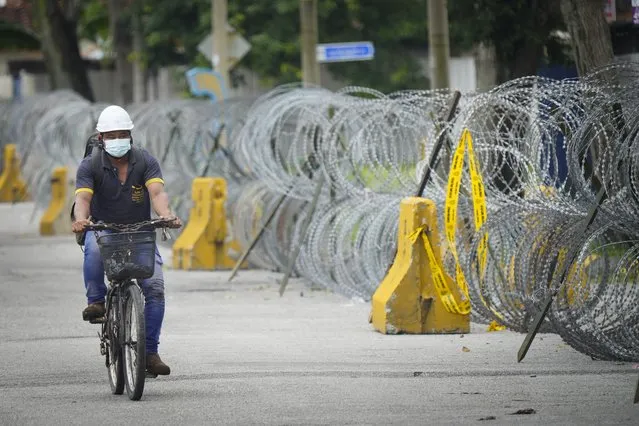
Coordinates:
[16,31]
[22,67]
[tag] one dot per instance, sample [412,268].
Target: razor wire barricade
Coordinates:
[542,149]
[534,234]
[51,130]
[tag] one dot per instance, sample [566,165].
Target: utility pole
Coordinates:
[139,69]
[120,29]
[221,40]
[439,44]
[308,20]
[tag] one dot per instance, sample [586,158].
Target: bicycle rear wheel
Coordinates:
[134,347]
[114,361]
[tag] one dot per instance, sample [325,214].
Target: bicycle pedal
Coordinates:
[100,320]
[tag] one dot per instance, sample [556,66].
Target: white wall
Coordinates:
[103,81]
[462,71]
[463,74]
[6,85]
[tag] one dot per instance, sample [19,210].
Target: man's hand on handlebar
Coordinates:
[79,225]
[175,221]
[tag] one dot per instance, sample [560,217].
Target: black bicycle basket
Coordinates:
[128,255]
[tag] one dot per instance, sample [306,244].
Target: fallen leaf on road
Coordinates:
[495,326]
[524,411]
[465,349]
[488,418]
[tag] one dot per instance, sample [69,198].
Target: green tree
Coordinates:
[173,31]
[57,28]
[396,28]
[93,23]
[16,37]
[120,32]
[592,48]
[120,26]
[522,32]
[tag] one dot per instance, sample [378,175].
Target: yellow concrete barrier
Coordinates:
[417,296]
[203,243]
[55,220]
[12,186]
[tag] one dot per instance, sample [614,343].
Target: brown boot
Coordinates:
[154,365]
[93,311]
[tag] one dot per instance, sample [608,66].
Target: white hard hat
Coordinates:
[114,118]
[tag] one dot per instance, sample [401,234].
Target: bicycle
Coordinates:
[128,254]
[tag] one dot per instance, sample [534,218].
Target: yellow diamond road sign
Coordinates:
[237,47]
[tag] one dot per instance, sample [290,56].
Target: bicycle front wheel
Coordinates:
[111,330]
[134,343]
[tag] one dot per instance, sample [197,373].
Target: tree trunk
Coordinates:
[58,28]
[526,61]
[590,33]
[592,47]
[529,40]
[64,26]
[523,63]
[57,77]
[438,44]
[119,26]
[139,69]
[152,85]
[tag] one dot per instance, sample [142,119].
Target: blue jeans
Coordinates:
[153,289]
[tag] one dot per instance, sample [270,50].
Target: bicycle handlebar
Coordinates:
[155,223]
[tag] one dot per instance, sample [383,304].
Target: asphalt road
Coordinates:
[240,354]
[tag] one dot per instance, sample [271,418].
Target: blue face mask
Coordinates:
[117,147]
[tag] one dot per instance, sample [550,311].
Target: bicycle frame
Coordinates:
[125,354]
[115,292]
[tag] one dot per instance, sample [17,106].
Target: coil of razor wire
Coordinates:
[544,149]
[517,128]
[596,306]
[51,130]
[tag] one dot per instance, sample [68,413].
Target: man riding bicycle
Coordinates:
[120,186]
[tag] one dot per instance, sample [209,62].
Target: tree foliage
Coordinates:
[523,32]
[173,31]
[57,25]
[395,28]
[592,48]
[14,36]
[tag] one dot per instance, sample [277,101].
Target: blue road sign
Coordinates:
[345,52]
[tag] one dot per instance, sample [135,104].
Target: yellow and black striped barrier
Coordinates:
[56,220]
[12,187]
[417,296]
[204,243]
